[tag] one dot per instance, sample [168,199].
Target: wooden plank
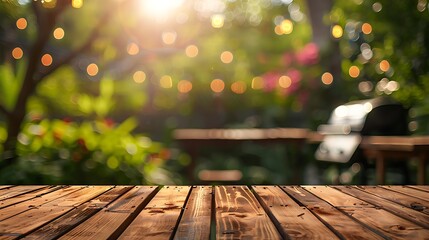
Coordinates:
[28,196]
[196,218]
[383,221]
[114,219]
[405,200]
[335,219]
[18,190]
[37,216]
[16,209]
[159,218]
[239,215]
[409,191]
[418,218]
[424,188]
[334,197]
[65,223]
[293,221]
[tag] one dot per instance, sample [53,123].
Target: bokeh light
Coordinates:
[191,51]
[238,87]
[184,86]
[285,81]
[217,20]
[327,78]
[217,85]
[366,28]
[17,53]
[21,23]
[337,31]
[169,37]
[377,7]
[77,3]
[139,76]
[286,26]
[226,57]
[133,49]
[46,59]
[58,33]
[166,81]
[257,83]
[92,69]
[384,66]
[354,72]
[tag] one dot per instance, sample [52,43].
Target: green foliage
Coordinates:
[10,84]
[97,152]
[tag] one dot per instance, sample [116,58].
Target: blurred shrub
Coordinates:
[96,152]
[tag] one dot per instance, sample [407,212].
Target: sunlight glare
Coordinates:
[160,8]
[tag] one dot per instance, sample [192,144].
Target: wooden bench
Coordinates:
[193,140]
[218,212]
[384,148]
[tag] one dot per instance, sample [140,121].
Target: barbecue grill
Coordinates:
[349,122]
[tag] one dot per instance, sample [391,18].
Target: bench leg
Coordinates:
[421,174]
[380,169]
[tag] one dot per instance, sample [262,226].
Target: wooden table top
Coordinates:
[218,212]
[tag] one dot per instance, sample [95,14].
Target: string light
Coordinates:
[217,85]
[191,51]
[366,28]
[354,71]
[133,49]
[226,57]
[169,37]
[327,78]
[139,76]
[238,87]
[184,86]
[58,33]
[384,65]
[337,31]
[17,53]
[21,23]
[286,26]
[92,69]
[46,60]
[285,81]
[166,81]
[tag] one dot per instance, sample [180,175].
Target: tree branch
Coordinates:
[67,59]
[4,110]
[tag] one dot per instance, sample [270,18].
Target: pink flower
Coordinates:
[270,81]
[309,55]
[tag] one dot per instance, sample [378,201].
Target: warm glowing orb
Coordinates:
[160,8]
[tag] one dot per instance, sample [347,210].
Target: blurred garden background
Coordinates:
[91,91]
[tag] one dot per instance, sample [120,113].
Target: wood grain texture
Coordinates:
[109,223]
[39,215]
[68,221]
[18,190]
[418,218]
[294,221]
[196,218]
[36,202]
[424,188]
[159,218]
[415,193]
[240,216]
[379,219]
[27,196]
[337,220]
[402,199]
